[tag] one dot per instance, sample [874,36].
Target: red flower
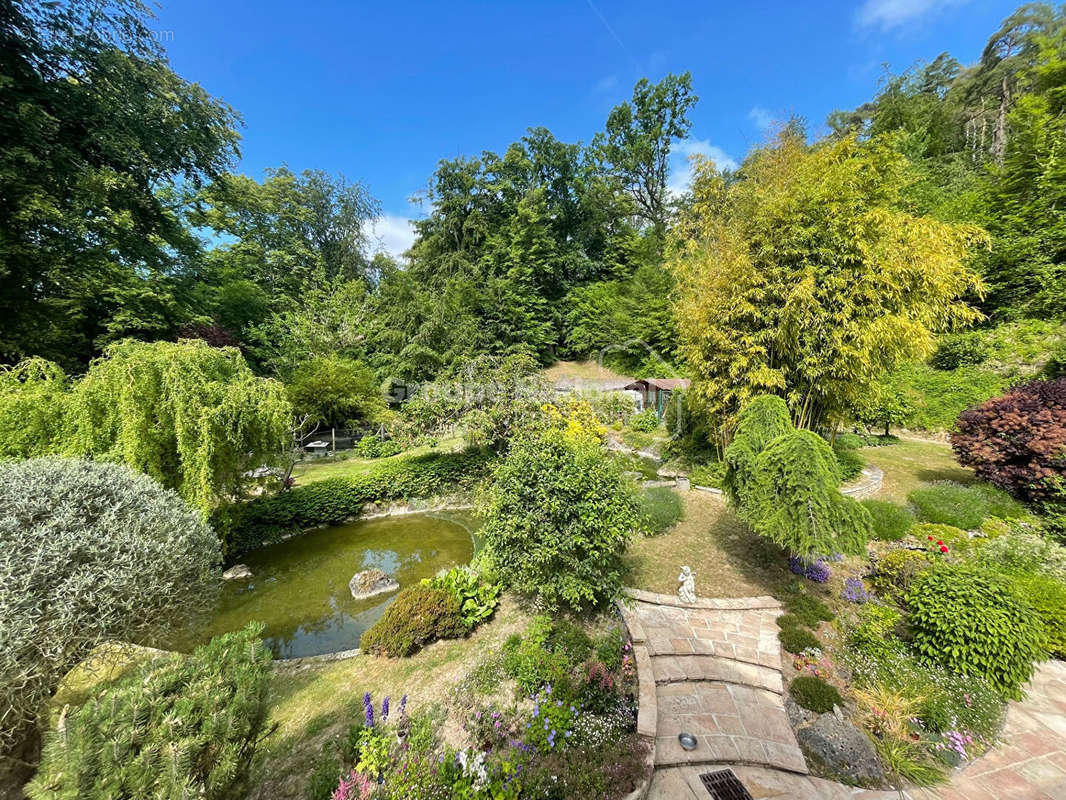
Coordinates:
[943,549]
[939,543]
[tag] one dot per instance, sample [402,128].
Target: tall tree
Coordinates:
[806,279]
[638,137]
[96,129]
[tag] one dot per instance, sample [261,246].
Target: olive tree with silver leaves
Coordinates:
[89,552]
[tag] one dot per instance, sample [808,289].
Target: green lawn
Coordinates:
[912,462]
[347,463]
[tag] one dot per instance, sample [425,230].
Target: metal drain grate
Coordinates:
[724,785]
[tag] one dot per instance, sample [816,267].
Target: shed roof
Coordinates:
[660,383]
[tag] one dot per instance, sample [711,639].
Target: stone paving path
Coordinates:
[714,669]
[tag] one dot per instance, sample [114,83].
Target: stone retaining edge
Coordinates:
[710,603]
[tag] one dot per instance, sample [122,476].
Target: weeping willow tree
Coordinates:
[760,421]
[807,277]
[193,417]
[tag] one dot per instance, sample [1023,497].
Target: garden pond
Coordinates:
[299,587]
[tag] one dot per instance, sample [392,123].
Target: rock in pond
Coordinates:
[237,572]
[842,748]
[371,582]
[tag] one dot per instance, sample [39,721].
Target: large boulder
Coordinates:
[371,582]
[843,749]
[237,572]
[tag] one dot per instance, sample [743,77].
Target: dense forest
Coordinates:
[133,224]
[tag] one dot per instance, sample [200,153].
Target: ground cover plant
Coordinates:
[175,726]
[661,508]
[890,522]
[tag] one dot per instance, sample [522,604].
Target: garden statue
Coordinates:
[687,592]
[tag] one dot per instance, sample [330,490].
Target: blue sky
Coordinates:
[380,93]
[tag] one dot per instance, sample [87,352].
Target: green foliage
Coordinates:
[810,278]
[33,395]
[848,441]
[176,726]
[645,422]
[849,463]
[610,407]
[814,694]
[191,416]
[933,399]
[796,640]
[418,616]
[712,475]
[975,624]
[264,520]
[661,508]
[760,421]
[371,446]
[477,598]
[960,350]
[794,499]
[545,655]
[890,521]
[950,504]
[807,609]
[89,552]
[102,137]
[558,516]
[1024,552]
[1047,597]
[933,535]
[332,391]
[896,570]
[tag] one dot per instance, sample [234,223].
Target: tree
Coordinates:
[191,416]
[794,499]
[558,516]
[335,391]
[89,552]
[760,421]
[805,278]
[1017,441]
[98,131]
[638,137]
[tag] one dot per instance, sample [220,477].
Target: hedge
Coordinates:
[246,526]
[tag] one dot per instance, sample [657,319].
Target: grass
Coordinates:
[662,506]
[910,463]
[728,559]
[347,463]
[583,370]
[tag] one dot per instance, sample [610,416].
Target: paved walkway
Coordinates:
[714,669]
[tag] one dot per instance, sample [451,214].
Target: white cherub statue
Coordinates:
[687,591]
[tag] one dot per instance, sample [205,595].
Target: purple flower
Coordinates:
[385,708]
[370,715]
[403,705]
[813,569]
[854,591]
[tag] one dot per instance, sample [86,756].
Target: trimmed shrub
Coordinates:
[265,520]
[793,499]
[949,503]
[646,421]
[559,515]
[89,552]
[1017,441]
[418,616]
[890,521]
[814,694]
[975,624]
[1047,597]
[177,727]
[796,640]
[661,508]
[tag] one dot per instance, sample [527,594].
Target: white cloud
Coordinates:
[888,14]
[762,118]
[681,167]
[391,233]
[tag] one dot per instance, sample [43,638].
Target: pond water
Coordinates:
[299,589]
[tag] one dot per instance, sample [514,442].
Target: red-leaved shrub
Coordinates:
[1018,441]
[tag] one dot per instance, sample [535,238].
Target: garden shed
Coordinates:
[655,392]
